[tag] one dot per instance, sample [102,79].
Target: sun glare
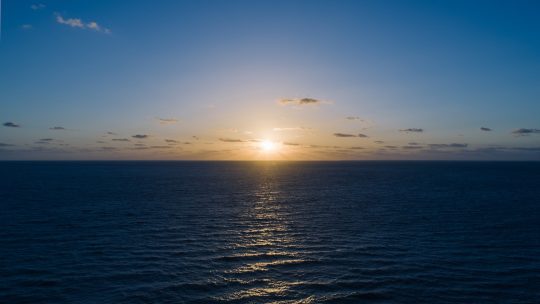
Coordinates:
[267,146]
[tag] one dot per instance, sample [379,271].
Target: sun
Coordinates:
[267,146]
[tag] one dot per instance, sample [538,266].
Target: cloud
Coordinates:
[37,6]
[291,129]
[533,149]
[350,135]
[357,148]
[344,135]
[485,129]
[300,101]
[57,128]
[171,141]
[44,141]
[5,145]
[160,147]
[167,121]
[79,23]
[414,144]
[111,133]
[353,118]
[444,146]
[140,136]
[120,139]
[522,132]
[195,137]
[11,125]
[290,144]
[414,130]
[413,147]
[379,142]
[231,140]
[27,27]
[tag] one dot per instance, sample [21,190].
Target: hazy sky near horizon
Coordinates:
[89,79]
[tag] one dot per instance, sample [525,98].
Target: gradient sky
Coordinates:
[111,79]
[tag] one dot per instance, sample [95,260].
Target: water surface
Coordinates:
[265,232]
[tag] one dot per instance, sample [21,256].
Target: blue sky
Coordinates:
[214,79]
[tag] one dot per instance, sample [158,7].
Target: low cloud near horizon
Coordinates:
[232,140]
[300,101]
[413,130]
[525,132]
[11,125]
[452,145]
[167,121]
[350,135]
[140,136]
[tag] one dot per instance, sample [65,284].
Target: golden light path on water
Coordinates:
[269,236]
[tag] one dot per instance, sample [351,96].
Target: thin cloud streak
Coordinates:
[11,125]
[412,130]
[79,23]
[350,135]
[525,132]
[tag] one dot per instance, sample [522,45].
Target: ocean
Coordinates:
[270,232]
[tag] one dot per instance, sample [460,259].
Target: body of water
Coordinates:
[270,232]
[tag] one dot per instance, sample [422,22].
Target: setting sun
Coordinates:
[268,145]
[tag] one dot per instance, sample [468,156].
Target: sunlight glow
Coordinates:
[267,145]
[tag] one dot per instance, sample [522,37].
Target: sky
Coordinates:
[269,80]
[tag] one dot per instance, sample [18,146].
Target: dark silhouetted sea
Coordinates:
[270,232]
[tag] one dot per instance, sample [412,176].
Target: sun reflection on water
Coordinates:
[267,244]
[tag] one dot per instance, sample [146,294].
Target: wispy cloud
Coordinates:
[171,141]
[232,140]
[353,118]
[79,23]
[45,141]
[291,129]
[486,129]
[11,124]
[37,6]
[160,147]
[167,121]
[27,27]
[140,136]
[120,139]
[411,147]
[300,101]
[57,128]
[111,133]
[444,146]
[413,130]
[290,144]
[525,132]
[344,135]
[350,135]
[5,145]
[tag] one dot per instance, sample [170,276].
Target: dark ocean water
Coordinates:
[264,232]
